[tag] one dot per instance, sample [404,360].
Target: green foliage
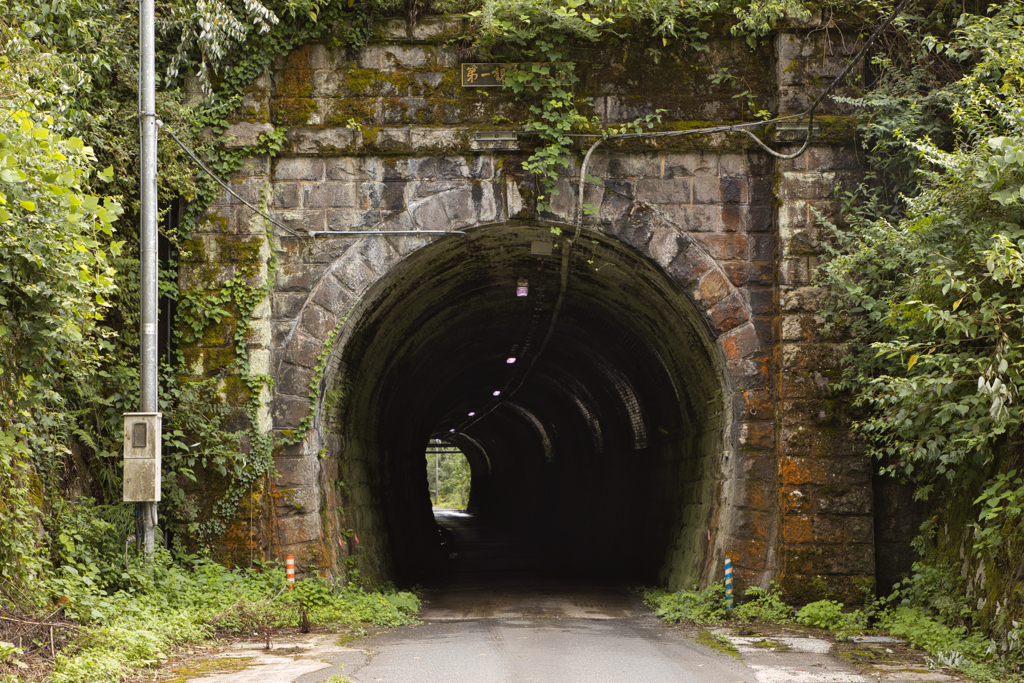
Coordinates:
[69,341]
[699,607]
[9,654]
[539,30]
[56,271]
[1000,504]
[208,33]
[352,605]
[757,19]
[542,34]
[939,289]
[136,619]
[56,249]
[450,474]
[925,278]
[925,632]
[829,615]
[763,605]
[20,555]
[938,589]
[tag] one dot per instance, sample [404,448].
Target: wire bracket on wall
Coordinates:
[502,140]
[795,131]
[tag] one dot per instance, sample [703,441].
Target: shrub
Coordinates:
[829,614]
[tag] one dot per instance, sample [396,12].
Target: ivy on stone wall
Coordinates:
[541,33]
[544,34]
[85,54]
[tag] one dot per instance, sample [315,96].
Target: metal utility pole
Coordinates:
[437,488]
[146,511]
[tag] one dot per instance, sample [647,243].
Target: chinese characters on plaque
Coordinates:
[491,75]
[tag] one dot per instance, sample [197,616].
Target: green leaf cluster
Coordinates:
[829,615]
[763,605]
[164,605]
[937,291]
[697,606]
[544,33]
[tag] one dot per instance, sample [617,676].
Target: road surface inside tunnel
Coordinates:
[494,572]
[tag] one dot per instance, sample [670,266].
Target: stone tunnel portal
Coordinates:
[584,388]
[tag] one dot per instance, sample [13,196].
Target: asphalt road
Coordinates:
[541,651]
[501,616]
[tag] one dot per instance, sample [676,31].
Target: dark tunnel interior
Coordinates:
[585,392]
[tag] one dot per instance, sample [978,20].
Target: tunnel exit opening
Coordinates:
[448,473]
[579,381]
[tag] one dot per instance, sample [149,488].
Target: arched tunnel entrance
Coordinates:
[584,388]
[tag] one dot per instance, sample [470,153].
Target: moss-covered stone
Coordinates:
[344,111]
[292,111]
[240,249]
[838,130]
[192,250]
[236,391]
[217,359]
[219,334]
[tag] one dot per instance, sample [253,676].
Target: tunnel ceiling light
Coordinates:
[471,413]
[523,288]
[452,431]
[496,392]
[511,360]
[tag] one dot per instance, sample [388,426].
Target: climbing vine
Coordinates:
[539,33]
[542,33]
[83,62]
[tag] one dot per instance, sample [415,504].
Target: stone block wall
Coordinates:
[824,480]
[386,142]
[230,244]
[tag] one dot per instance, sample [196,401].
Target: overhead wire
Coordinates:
[206,169]
[743,127]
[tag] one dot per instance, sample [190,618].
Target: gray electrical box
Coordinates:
[142,439]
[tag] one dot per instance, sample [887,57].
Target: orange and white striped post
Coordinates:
[289,563]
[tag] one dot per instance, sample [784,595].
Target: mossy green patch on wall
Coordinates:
[292,111]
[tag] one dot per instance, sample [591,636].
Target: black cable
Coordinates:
[199,162]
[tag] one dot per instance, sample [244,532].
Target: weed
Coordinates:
[829,614]
[337,678]
[699,607]
[766,605]
[765,643]
[163,605]
[948,643]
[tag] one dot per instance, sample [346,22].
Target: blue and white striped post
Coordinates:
[728,583]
